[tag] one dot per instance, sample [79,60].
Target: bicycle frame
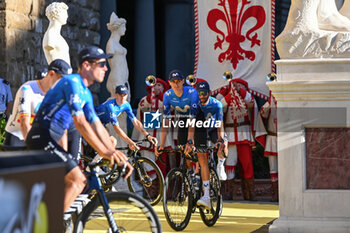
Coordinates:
[184,173]
[95,184]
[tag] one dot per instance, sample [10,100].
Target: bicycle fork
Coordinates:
[144,178]
[95,183]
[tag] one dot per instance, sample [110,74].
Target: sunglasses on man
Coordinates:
[204,93]
[100,64]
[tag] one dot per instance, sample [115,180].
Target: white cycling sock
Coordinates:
[206,187]
[221,161]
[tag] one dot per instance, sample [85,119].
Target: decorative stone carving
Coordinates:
[315,29]
[54,45]
[119,72]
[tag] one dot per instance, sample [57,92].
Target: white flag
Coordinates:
[236,36]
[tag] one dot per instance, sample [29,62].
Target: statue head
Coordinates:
[115,22]
[57,11]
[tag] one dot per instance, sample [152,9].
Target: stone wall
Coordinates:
[22,27]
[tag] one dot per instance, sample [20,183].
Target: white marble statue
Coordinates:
[315,29]
[54,45]
[119,72]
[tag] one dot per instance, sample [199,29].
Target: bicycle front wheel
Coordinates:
[209,217]
[177,199]
[147,180]
[130,212]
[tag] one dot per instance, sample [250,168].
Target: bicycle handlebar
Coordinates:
[138,143]
[191,156]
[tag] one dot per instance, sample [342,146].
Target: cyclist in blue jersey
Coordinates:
[111,109]
[213,113]
[72,90]
[184,100]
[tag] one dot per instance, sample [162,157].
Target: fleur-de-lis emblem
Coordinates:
[234,18]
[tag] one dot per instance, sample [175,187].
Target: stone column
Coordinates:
[313,98]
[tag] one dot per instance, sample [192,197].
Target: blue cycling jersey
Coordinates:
[110,110]
[213,109]
[185,105]
[71,91]
[62,121]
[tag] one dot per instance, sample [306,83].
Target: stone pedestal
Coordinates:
[313,98]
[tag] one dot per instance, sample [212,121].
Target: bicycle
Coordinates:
[98,211]
[112,212]
[147,179]
[180,196]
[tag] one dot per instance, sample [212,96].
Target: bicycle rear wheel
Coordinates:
[131,214]
[209,217]
[147,180]
[177,199]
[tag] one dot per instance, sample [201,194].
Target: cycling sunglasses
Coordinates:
[203,93]
[100,64]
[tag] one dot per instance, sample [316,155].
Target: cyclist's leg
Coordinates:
[39,138]
[201,145]
[75,182]
[63,141]
[74,142]
[201,148]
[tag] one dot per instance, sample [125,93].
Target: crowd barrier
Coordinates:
[31,192]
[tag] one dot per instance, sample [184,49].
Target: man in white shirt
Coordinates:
[27,101]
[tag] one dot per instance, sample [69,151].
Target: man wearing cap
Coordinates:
[236,101]
[212,111]
[27,101]
[185,102]
[109,111]
[71,98]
